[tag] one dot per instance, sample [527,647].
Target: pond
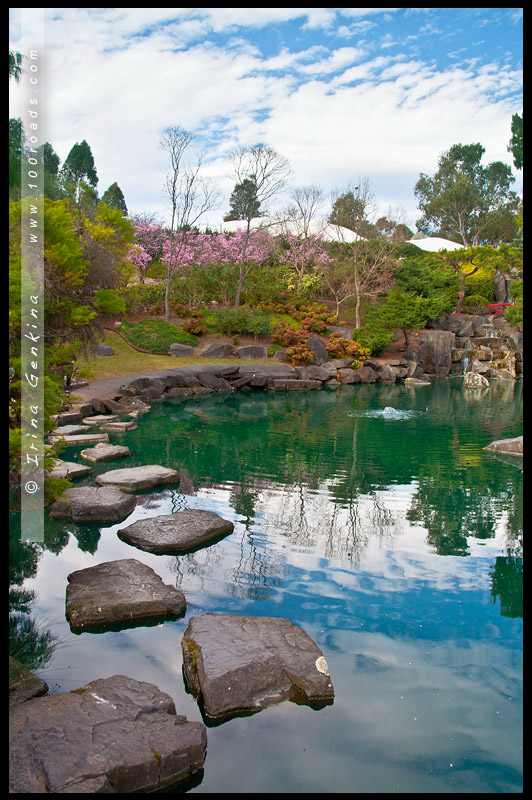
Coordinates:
[391,537]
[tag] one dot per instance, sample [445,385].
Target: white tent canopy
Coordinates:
[276,226]
[433,244]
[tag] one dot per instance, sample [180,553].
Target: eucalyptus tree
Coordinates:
[466,201]
[190,196]
[268,171]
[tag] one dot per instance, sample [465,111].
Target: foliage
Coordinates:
[114,197]
[299,354]
[514,314]
[156,335]
[339,347]
[466,201]
[476,266]
[78,166]
[404,310]
[474,303]
[244,203]
[515,146]
[139,297]
[231,321]
[284,334]
[374,336]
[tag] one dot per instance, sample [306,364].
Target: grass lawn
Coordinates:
[127,361]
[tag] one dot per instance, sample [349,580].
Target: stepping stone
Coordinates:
[68,469]
[237,665]
[176,533]
[67,417]
[69,430]
[117,593]
[93,504]
[100,419]
[87,438]
[131,479]
[113,735]
[126,425]
[105,452]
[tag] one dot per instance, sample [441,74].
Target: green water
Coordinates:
[393,539]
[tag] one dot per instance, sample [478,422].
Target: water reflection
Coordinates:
[396,543]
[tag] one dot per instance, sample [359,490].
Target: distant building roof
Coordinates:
[331,233]
[433,244]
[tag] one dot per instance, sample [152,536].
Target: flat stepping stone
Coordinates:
[126,425]
[119,592]
[93,504]
[100,419]
[237,665]
[67,417]
[176,533]
[69,469]
[69,430]
[131,479]
[113,735]
[105,452]
[87,438]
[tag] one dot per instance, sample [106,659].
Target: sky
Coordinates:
[345,94]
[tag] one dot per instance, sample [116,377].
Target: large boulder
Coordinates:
[321,356]
[180,350]
[513,447]
[113,735]
[93,504]
[216,350]
[435,352]
[238,665]
[23,684]
[367,374]
[475,380]
[176,533]
[132,479]
[117,593]
[252,351]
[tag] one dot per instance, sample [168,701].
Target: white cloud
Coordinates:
[117,77]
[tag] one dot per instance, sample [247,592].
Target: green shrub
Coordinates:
[231,321]
[375,339]
[514,314]
[156,335]
[140,297]
[474,303]
[156,270]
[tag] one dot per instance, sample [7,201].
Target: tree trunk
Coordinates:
[358,318]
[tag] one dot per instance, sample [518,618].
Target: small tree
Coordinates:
[114,197]
[467,263]
[404,310]
[190,197]
[361,269]
[268,171]
[244,202]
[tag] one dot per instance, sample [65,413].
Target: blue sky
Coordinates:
[343,93]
